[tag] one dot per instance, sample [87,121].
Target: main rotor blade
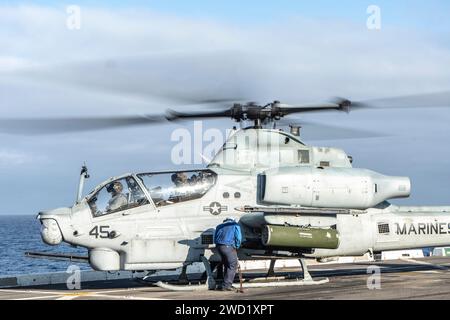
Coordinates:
[428,100]
[341,105]
[173,115]
[62,125]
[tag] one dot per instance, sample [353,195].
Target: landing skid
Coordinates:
[178,287]
[204,287]
[209,285]
[269,281]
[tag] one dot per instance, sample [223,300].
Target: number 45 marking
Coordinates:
[101,232]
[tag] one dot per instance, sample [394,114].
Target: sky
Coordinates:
[140,57]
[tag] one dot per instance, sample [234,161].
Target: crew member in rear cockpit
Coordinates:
[118,199]
[180,179]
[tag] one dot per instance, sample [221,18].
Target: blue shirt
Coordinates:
[228,233]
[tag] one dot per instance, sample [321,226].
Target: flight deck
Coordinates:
[424,278]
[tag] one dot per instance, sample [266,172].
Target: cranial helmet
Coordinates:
[117,186]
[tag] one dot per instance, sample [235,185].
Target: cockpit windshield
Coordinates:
[174,187]
[118,195]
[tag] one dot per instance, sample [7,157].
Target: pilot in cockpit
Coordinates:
[180,179]
[193,180]
[118,199]
[182,186]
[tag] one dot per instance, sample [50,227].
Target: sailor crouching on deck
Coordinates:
[228,239]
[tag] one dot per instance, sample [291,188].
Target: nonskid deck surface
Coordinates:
[425,278]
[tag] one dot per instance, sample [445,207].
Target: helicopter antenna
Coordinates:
[83,176]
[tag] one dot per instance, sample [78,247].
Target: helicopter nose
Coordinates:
[50,231]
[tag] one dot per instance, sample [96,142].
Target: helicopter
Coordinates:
[291,200]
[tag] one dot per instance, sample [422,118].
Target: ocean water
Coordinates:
[19,234]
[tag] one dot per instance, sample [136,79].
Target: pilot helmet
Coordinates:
[117,186]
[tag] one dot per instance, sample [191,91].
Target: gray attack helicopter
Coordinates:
[291,200]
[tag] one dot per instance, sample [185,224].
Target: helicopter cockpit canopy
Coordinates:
[164,188]
[173,187]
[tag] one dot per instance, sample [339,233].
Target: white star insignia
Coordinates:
[215,208]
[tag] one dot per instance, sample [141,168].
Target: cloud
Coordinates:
[14,158]
[8,64]
[145,53]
